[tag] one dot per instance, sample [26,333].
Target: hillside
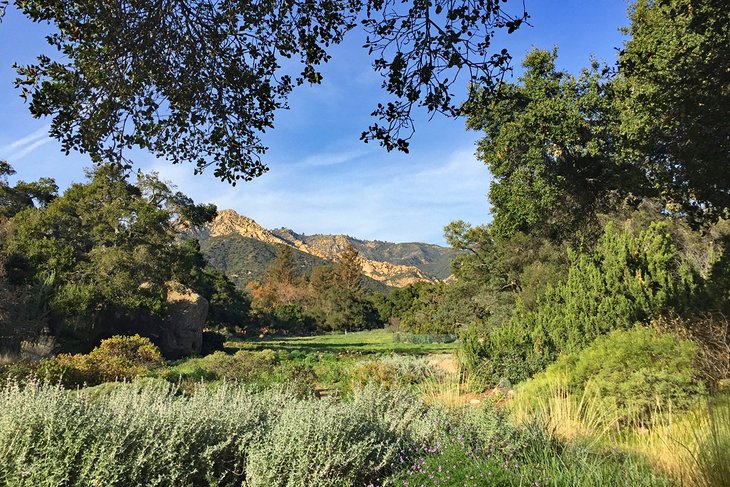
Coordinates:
[434,261]
[245,259]
[243,248]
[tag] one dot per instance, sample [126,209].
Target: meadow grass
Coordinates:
[693,447]
[361,342]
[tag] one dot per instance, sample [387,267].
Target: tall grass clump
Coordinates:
[693,447]
[147,433]
[584,417]
[631,373]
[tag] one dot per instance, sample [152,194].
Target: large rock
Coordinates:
[178,335]
[182,334]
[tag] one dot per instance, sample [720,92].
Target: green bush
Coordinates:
[533,459]
[391,371]
[428,338]
[626,279]
[244,366]
[116,358]
[148,434]
[635,371]
[322,443]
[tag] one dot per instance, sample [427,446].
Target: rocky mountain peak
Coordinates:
[229,222]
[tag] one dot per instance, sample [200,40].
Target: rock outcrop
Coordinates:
[229,222]
[182,334]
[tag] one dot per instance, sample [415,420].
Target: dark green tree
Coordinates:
[199,82]
[182,209]
[548,143]
[23,195]
[281,269]
[673,98]
[348,270]
[108,247]
[110,251]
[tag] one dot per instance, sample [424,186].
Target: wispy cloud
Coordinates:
[20,148]
[330,158]
[411,203]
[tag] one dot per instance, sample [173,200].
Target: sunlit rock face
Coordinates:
[392,264]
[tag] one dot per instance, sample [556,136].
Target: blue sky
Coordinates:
[322,179]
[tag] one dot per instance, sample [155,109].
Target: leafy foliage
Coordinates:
[672,98]
[634,372]
[200,82]
[548,142]
[626,279]
[111,247]
[23,195]
[332,298]
[102,241]
[115,359]
[145,434]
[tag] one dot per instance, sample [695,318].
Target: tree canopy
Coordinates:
[673,100]
[201,81]
[110,246]
[549,143]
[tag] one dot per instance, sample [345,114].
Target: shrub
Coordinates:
[391,371]
[245,366]
[148,434]
[626,279]
[634,371]
[401,337]
[321,443]
[116,358]
[533,459]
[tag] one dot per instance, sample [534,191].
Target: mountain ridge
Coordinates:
[395,265]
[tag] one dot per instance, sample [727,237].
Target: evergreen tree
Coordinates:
[281,269]
[348,270]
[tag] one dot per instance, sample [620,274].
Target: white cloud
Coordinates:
[394,203]
[20,148]
[330,158]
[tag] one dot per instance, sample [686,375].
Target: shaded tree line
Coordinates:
[106,247]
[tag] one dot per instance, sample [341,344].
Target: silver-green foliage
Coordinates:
[149,434]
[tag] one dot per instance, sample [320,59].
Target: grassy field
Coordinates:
[362,342]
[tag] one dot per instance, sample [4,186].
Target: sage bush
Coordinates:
[149,433]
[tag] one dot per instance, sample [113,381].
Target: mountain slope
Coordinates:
[434,261]
[391,264]
[246,259]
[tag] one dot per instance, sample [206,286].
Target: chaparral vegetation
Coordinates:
[583,338]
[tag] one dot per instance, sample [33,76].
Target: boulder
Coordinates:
[179,334]
[182,334]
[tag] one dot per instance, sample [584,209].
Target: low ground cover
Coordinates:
[150,433]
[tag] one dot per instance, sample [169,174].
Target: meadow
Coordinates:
[349,409]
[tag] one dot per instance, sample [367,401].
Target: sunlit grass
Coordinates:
[569,418]
[361,342]
[694,447]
